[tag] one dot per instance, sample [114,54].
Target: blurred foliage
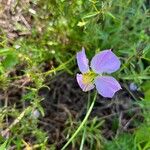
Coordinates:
[123,142]
[90,135]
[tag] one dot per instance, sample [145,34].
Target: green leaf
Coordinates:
[91,14]
[131,77]
[4,51]
[111,15]
[142,137]
[3,146]
[81,23]
[10,61]
[146,88]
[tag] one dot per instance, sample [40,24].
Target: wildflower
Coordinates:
[103,62]
[35,114]
[133,86]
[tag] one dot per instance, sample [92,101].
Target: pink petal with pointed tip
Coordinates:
[107,86]
[82,61]
[84,87]
[105,62]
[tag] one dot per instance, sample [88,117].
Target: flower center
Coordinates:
[88,77]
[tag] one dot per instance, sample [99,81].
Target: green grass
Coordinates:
[58,30]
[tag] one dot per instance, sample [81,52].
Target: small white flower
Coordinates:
[35,114]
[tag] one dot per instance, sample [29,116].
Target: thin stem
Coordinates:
[84,131]
[83,138]
[82,124]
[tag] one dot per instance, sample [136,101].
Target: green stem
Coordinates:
[83,138]
[84,130]
[81,125]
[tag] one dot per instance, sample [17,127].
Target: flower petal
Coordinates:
[107,86]
[105,62]
[84,87]
[82,61]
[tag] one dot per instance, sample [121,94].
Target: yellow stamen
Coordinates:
[88,77]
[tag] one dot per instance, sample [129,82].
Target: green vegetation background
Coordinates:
[59,29]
